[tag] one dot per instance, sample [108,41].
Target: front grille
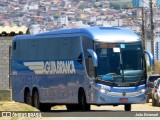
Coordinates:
[120,94]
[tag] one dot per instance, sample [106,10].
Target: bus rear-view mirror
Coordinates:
[94,57]
[150,56]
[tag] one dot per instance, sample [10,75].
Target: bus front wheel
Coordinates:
[127,107]
[82,101]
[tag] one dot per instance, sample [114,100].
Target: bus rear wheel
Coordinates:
[82,101]
[41,106]
[27,98]
[127,107]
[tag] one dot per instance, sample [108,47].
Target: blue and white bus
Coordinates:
[79,67]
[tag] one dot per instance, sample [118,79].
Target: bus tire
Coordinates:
[82,101]
[41,106]
[127,107]
[27,97]
[153,102]
[73,107]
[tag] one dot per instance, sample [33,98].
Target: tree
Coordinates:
[118,5]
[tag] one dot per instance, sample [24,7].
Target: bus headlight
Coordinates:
[103,90]
[142,91]
[100,89]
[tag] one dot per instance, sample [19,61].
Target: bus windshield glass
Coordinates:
[120,63]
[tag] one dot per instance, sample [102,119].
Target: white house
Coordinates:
[63,20]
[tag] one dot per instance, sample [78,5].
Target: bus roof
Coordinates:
[101,34]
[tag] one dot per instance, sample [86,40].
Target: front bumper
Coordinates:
[114,98]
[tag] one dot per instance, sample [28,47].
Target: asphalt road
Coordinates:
[105,111]
[120,108]
[101,113]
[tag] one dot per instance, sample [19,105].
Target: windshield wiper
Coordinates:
[98,80]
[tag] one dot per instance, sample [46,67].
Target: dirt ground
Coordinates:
[15,106]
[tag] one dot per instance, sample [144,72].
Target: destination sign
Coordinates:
[105,45]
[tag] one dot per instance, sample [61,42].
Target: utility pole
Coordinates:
[143,29]
[152,32]
[152,27]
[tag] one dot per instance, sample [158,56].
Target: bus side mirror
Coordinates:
[94,57]
[151,58]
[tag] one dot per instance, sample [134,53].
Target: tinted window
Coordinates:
[16,50]
[75,48]
[87,44]
[153,78]
[70,48]
[59,48]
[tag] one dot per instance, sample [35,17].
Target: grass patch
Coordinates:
[15,106]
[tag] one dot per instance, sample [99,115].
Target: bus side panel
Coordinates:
[53,86]
[17,88]
[62,88]
[39,64]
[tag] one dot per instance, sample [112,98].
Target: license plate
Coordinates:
[123,99]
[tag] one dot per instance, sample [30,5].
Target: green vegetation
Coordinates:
[119,5]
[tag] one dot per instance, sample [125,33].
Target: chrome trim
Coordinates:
[130,94]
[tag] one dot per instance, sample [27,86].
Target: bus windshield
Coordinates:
[120,63]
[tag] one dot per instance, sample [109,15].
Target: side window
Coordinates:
[28,49]
[32,49]
[65,45]
[14,45]
[54,50]
[24,47]
[76,48]
[15,50]
[43,46]
[69,48]
[88,44]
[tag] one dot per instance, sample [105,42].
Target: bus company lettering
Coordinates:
[59,67]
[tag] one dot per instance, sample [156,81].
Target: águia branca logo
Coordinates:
[52,67]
